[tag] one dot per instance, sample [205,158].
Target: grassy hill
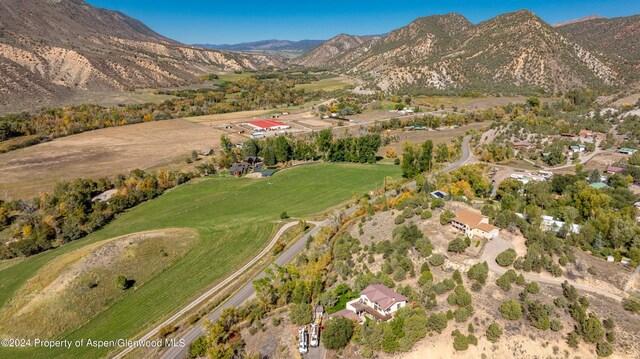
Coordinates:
[234,219]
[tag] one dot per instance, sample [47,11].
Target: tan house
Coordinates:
[474,224]
[377,302]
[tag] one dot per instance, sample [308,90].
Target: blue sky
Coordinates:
[232,21]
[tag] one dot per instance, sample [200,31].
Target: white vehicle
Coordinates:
[257,135]
[303,346]
[314,335]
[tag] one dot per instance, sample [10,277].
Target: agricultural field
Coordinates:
[440,136]
[329,84]
[105,152]
[233,218]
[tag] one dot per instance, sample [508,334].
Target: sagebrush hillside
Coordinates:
[50,50]
[513,51]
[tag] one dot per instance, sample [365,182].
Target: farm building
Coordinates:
[474,224]
[268,125]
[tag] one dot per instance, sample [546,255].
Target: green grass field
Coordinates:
[333,83]
[234,219]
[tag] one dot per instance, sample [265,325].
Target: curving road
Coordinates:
[247,291]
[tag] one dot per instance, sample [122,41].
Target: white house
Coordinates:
[552,224]
[474,224]
[378,302]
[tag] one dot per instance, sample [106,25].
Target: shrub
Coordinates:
[604,349]
[198,348]
[511,310]
[446,217]
[337,333]
[426,214]
[460,342]
[399,219]
[123,283]
[437,322]
[275,321]
[301,313]
[436,260]
[592,330]
[555,325]
[532,287]
[632,304]
[284,215]
[506,258]
[494,332]
[479,272]
[167,330]
[457,245]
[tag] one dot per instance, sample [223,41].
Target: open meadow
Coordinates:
[100,153]
[233,218]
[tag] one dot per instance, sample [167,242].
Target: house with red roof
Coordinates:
[377,302]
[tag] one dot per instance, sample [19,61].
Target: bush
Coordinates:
[460,342]
[457,245]
[167,330]
[506,258]
[437,322]
[436,260]
[494,332]
[632,304]
[399,219]
[511,310]
[446,217]
[592,330]
[301,314]
[479,272]
[532,287]
[198,348]
[426,214]
[284,215]
[555,325]
[337,333]
[604,349]
[123,283]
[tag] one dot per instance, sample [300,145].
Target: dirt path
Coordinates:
[498,245]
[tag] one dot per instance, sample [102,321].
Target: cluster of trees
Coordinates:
[587,325]
[253,92]
[606,218]
[282,149]
[469,181]
[69,213]
[417,159]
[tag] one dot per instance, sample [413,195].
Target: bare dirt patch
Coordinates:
[78,285]
[107,152]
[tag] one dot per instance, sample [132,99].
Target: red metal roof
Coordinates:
[267,124]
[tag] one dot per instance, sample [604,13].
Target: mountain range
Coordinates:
[268,45]
[511,52]
[53,50]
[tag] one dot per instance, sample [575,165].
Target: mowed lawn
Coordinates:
[234,218]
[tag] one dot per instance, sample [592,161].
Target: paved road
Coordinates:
[466,152]
[243,294]
[247,291]
[213,290]
[498,245]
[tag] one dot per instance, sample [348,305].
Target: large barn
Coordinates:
[268,125]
